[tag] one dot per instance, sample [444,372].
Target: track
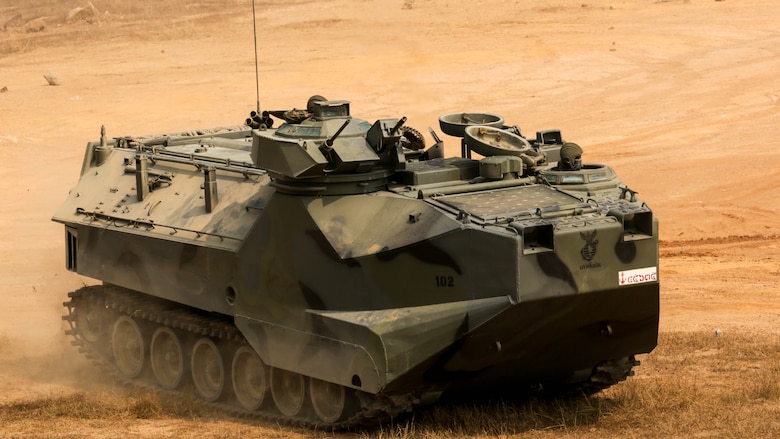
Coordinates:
[132,336]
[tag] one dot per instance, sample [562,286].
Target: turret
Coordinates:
[329,152]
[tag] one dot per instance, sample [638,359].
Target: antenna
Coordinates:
[257,68]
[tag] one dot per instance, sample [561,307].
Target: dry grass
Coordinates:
[702,384]
[498,418]
[83,406]
[693,384]
[103,405]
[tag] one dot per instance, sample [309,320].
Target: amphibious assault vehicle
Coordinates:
[334,271]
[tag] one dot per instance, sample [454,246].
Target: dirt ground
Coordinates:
[681,98]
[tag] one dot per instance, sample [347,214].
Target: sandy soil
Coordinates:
[680,97]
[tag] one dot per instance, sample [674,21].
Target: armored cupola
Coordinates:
[325,120]
[324,150]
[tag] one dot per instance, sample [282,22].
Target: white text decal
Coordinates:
[638,276]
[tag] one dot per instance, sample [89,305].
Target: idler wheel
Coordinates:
[127,343]
[328,400]
[249,378]
[89,320]
[208,370]
[288,390]
[167,358]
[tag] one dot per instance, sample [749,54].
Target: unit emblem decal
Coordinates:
[591,245]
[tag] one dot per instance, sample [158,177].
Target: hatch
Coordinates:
[512,202]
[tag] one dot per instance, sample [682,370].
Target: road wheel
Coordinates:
[89,320]
[328,400]
[127,343]
[249,378]
[167,358]
[288,390]
[208,370]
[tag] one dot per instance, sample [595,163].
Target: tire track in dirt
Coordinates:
[728,248]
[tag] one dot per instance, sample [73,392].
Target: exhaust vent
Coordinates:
[636,225]
[538,239]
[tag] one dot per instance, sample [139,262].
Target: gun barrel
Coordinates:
[329,142]
[398,125]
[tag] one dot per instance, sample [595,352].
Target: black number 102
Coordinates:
[445,281]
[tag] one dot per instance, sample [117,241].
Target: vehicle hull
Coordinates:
[550,341]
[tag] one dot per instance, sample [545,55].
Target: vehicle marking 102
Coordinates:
[445,281]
